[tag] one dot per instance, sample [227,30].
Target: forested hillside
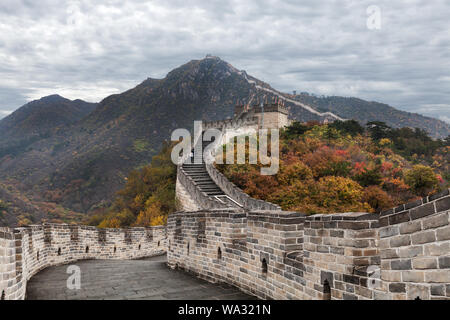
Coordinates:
[343,167]
[339,167]
[60,159]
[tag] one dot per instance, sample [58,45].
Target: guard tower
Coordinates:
[270,115]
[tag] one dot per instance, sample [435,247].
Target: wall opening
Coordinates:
[87,249]
[115,249]
[264,266]
[326,290]
[188,247]
[418,298]
[37,255]
[3,297]
[219,254]
[59,251]
[139,248]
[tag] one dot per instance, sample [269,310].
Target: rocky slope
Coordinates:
[79,160]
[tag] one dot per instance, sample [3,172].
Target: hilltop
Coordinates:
[76,156]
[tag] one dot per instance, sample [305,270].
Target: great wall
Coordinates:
[221,235]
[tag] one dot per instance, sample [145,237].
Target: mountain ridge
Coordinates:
[80,165]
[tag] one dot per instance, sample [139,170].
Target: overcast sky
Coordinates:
[79,49]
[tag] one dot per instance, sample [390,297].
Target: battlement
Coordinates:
[231,123]
[277,106]
[26,251]
[400,254]
[268,116]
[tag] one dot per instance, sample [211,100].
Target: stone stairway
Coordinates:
[196,170]
[202,179]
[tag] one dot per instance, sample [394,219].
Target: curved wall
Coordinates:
[404,253]
[26,251]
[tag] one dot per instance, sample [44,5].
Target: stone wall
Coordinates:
[403,253]
[189,196]
[184,201]
[26,251]
[236,193]
[231,124]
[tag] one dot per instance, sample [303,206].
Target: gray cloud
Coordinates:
[79,49]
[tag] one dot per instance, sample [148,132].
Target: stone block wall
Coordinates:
[403,253]
[26,251]
[183,199]
[234,247]
[188,195]
[415,249]
[236,193]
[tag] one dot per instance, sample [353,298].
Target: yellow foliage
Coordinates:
[385,142]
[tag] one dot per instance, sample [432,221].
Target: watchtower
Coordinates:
[270,115]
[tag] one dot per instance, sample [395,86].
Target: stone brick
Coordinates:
[399,218]
[410,252]
[410,227]
[400,241]
[397,287]
[389,231]
[384,221]
[413,204]
[386,212]
[436,221]
[443,234]
[444,262]
[389,254]
[413,276]
[437,249]
[347,296]
[443,204]
[401,264]
[438,290]
[441,276]
[422,211]
[423,237]
[377,295]
[425,263]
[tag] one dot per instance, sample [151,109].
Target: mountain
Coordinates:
[365,111]
[38,120]
[81,164]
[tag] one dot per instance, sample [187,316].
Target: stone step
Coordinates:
[202,181]
[199,177]
[198,172]
[215,193]
[210,189]
[205,184]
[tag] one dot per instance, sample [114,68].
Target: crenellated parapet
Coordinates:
[236,193]
[403,253]
[231,123]
[28,250]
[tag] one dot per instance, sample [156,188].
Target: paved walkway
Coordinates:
[147,279]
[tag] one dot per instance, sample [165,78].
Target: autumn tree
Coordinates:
[422,179]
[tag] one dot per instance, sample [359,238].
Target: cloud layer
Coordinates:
[87,50]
